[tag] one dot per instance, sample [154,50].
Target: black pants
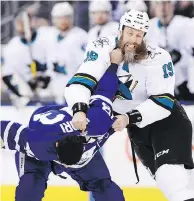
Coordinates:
[168,141]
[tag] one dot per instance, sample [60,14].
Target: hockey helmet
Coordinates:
[100,6]
[136,5]
[62,9]
[135,19]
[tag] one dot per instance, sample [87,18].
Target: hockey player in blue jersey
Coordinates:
[50,143]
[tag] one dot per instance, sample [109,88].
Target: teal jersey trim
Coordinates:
[125,67]
[165,101]
[125,91]
[83,80]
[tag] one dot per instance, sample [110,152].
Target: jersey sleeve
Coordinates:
[96,62]
[13,135]
[160,83]
[39,145]
[100,118]
[100,113]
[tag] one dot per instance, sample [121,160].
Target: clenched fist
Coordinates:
[120,123]
[79,121]
[116,56]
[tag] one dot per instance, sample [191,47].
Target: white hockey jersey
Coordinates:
[110,28]
[65,55]
[147,86]
[17,56]
[190,38]
[172,37]
[68,51]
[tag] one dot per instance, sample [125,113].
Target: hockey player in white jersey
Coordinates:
[157,124]
[24,68]
[68,48]
[100,15]
[170,32]
[190,83]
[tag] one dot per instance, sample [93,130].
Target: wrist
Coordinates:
[134,117]
[80,107]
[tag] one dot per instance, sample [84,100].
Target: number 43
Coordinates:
[168,70]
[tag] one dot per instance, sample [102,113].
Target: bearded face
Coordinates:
[132,45]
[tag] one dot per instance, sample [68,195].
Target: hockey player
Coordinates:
[170,32]
[25,60]
[51,137]
[100,15]
[68,48]
[157,124]
[190,38]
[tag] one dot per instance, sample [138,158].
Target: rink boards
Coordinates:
[116,153]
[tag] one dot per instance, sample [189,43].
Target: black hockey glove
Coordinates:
[176,56]
[43,81]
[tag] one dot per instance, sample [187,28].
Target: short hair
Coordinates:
[70,149]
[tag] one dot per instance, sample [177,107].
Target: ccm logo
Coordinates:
[161,153]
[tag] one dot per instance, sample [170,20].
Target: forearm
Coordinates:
[153,109]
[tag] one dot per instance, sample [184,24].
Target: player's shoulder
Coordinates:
[79,30]
[113,24]
[154,21]
[104,43]
[47,32]
[157,54]
[94,29]
[14,41]
[13,45]
[180,22]
[181,18]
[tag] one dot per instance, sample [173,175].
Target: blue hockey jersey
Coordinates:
[48,124]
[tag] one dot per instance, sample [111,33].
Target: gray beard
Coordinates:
[129,57]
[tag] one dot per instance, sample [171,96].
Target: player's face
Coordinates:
[131,38]
[62,23]
[132,45]
[164,10]
[100,18]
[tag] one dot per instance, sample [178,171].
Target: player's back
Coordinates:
[54,120]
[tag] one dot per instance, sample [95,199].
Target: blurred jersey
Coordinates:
[173,39]
[110,28]
[17,56]
[64,57]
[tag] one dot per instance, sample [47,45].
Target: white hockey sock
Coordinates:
[173,181]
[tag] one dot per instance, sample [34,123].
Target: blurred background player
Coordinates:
[101,17]
[39,15]
[169,31]
[24,69]
[67,50]
[124,6]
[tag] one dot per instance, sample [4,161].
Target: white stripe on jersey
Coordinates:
[17,137]
[100,97]
[6,133]
[21,164]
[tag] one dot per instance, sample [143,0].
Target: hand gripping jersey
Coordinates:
[147,86]
[51,123]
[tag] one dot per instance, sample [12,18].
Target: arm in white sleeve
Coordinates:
[96,62]
[160,90]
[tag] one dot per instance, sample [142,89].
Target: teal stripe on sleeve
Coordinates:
[165,101]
